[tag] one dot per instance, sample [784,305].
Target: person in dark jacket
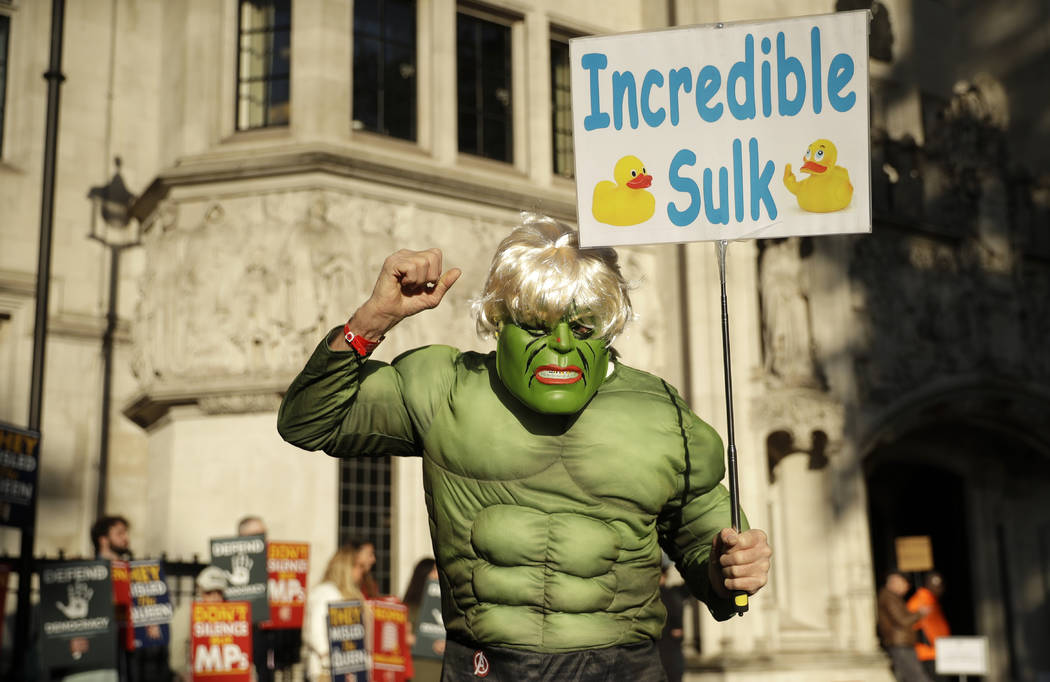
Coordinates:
[424,574]
[897,629]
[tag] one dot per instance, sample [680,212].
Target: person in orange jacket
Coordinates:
[933,624]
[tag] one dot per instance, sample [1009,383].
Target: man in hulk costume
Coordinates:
[553,474]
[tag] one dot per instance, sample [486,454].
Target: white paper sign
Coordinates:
[962,655]
[686,134]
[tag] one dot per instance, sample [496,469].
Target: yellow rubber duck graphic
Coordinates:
[828,187]
[624,202]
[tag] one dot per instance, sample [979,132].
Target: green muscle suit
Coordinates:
[547,529]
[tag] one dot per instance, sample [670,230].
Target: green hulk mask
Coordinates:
[552,371]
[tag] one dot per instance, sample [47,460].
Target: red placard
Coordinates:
[287,564]
[120,571]
[221,641]
[391,659]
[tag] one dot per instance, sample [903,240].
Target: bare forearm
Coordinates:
[366,322]
[409,282]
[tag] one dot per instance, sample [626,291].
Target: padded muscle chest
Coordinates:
[541,523]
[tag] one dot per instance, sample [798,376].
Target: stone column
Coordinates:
[539,162]
[444,142]
[322,34]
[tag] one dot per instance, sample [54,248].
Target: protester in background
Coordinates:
[109,535]
[933,625]
[366,559]
[251,525]
[279,649]
[263,658]
[341,582]
[211,584]
[670,642]
[896,629]
[426,669]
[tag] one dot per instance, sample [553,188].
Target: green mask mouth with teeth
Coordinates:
[552,370]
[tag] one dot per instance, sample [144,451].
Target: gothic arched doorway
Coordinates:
[980,494]
[909,498]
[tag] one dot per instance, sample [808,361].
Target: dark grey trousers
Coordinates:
[906,666]
[628,663]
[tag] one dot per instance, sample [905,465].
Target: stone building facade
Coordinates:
[890,384]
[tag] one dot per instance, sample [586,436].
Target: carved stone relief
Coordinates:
[969,302]
[236,403]
[880,33]
[1034,302]
[948,184]
[934,309]
[811,421]
[241,289]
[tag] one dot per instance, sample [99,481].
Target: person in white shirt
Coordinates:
[341,582]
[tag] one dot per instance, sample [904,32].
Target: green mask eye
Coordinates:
[554,371]
[581,331]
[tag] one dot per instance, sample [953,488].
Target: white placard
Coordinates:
[709,118]
[962,655]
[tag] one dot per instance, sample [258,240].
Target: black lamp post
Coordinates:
[111,226]
[54,78]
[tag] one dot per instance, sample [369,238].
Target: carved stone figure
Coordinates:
[239,288]
[880,35]
[932,308]
[786,332]
[316,267]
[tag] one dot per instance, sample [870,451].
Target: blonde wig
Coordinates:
[340,572]
[540,276]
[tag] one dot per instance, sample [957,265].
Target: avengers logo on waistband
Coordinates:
[481,665]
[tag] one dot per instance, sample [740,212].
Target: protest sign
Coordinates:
[243,557]
[287,564]
[914,553]
[961,656]
[19,456]
[431,628]
[221,641]
[723,132]
[120,570]
[151,608]
[348,655]
[78,629]
[390,653]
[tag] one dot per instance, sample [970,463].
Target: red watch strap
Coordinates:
[359,343]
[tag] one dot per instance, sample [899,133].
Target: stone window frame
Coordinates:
[563,160]
[366,486]
[514,58]
[243,107]
[385,41]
